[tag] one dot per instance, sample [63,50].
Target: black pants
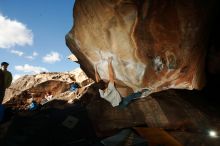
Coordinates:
[2,94]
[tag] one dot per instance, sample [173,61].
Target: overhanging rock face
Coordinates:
[154,44]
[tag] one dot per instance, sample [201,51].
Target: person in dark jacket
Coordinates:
[2,86]
[5,82]
[5,79]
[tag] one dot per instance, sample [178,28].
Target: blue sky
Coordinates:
[32,35]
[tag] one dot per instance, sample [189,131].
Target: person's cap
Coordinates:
[4,63]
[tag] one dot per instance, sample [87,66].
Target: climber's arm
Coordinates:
[110,69]
[97,77]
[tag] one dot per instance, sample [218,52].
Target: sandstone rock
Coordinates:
[73,58]
[39,84]
[79,75]
[172,110]
[154,44]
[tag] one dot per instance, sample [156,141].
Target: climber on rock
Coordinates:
[108,91]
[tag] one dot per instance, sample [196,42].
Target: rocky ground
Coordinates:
[83,118]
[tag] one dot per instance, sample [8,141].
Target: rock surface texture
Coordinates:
[154,44]
[37,85]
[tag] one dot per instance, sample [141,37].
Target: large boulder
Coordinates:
[39,84]
[154,44]
[170,109]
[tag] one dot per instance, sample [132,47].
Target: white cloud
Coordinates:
[13,33]
[30,69]
[19,53]
[31,57]
[52,57]
[35,53]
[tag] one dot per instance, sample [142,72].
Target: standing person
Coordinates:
[7,79]
[2,86]
[5,82]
